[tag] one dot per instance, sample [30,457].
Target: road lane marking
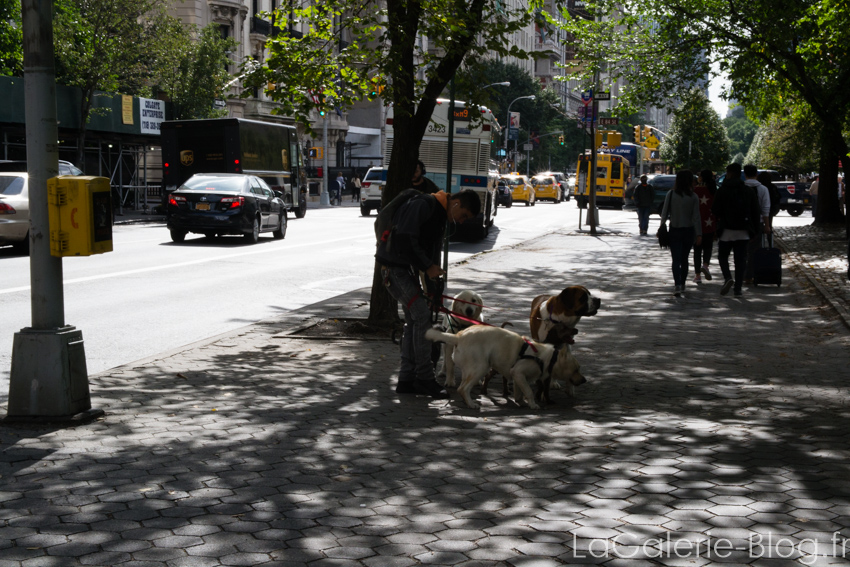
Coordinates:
[182,264]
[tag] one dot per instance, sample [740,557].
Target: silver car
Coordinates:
[14,211]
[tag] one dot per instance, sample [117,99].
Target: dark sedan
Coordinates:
[223,204]
[504,194]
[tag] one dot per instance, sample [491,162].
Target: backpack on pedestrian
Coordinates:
[774,199]
[384,222]
[737,208]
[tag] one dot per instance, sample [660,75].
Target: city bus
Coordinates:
[470,157]
[611,173]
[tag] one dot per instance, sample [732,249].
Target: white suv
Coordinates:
[371,188]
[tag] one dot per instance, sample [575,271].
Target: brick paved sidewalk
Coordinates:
[708,423]
[820,253]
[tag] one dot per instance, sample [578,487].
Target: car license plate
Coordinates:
[202,206]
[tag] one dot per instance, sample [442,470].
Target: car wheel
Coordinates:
[533,202]
[364,211]
[178,235]
[281,227]
[302,207]
[22,247]
[253,236]
[795,211]
[509,204]
[528,203]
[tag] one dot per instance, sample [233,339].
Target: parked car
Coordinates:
[371,188]
[14,211]
[65,167]
[225,203]
[546,187]
[503,194]
[794,197]
[662,185]
[521,189]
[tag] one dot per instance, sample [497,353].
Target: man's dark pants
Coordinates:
[404,286]
[643,218]
[739,248]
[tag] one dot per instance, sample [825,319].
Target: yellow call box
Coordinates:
[80,212]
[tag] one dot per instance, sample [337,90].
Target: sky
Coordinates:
[714,88]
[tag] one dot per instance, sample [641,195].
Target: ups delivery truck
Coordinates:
[235,145]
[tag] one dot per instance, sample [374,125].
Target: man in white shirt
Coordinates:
[750,174]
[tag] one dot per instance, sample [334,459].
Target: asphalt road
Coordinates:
[150,295]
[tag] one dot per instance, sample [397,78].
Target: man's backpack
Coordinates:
[774,199]
[384,222]
[738,209]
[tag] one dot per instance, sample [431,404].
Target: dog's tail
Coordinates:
[441,337]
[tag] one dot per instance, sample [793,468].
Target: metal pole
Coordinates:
[42,128]
[48,377]
[591,204]
[451,125]
[324,198]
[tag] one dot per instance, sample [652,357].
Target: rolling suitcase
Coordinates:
[767,264]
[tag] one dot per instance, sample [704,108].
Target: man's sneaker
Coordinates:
[697,279]
[727,285]
[430,388]
[738,293]
[706,273]
[677,291]
[405,387]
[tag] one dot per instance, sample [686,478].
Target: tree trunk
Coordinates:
[832,144]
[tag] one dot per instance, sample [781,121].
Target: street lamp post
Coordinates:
[508,120]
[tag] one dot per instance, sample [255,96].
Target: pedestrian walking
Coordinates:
[763,196]
[681,206]
[421,182]
[705,189]
[813,192]
[643,196]
[340,182]
[355,195]
[414,244]
[737,210]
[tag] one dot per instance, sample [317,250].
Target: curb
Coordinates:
[827,295]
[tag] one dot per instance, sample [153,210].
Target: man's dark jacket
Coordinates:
[416,238]
[644,195]
[736,207]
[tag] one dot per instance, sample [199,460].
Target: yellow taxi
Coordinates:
[546,187]
[521,189]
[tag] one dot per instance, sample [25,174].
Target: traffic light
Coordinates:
[637,134]
[561,140]
[614,139]
[647,132]
[598,139]
[316,153]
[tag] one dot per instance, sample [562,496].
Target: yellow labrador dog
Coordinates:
[468,304]
[481,348]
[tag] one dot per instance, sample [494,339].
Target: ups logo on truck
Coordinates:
[187,157]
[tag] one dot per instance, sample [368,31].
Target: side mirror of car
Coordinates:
[278,194]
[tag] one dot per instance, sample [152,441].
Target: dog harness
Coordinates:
[523,354]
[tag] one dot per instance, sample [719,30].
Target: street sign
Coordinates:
[513,133]
[652,142]
[587,97]
[219,103]
[527,147]
[603,96]
[609,121]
